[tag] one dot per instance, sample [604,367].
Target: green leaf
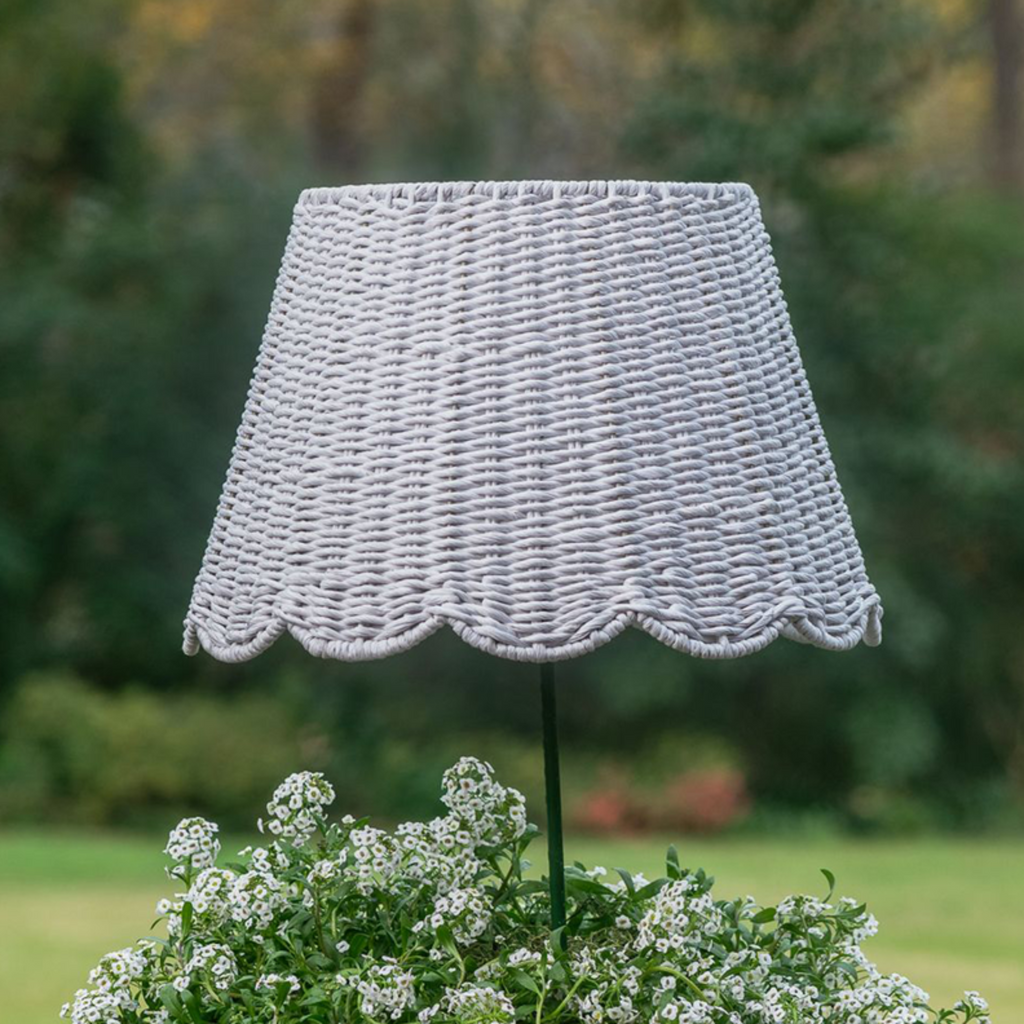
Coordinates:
[651,888]
[192,1005]
[764,916]
[523,979]
[831,879]
[447,941]
[672,863]
[628,879]
[314,996]
[585,885]
[186,918]
[531,887]
[169,997]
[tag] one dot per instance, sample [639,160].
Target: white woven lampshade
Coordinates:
[537,412]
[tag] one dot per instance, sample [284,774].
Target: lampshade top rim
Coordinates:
[426,191]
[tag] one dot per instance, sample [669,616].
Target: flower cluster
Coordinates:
[281,985]
[435,923]
[210,895]
[91,1006]
[384,990]
[113,980]
[617,986]
[441,852]
[473,1004]
[116,971]
[492,813]
[297,806]
[192,845]
[465,911]
[255,898]
[372,856]
[680,915]
[214,962]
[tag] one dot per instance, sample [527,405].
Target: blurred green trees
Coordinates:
[81,756]
[908,300]
[150,151]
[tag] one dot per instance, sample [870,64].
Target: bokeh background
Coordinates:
[150,153]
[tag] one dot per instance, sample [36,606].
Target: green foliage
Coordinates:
[907,302]
[784,91]
[124,349]
[136,262]
[72,753]
[340,921]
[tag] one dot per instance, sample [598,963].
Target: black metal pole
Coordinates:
[553,790]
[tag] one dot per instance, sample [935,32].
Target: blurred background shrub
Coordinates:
[75,754]
[150,152]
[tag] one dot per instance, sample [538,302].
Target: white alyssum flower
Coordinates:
[274,982]
[619,885]
[679,916]
[297,805]
[696,1011]
[612,986]
[210,895]
[373,857]
[476,1004]
[320,876]
[972,1001]
[807,908]
[255,899]
[885,997]
[269,859]
[441,852]
[524,958]
[784,1002]
[170,911]
[116,971]
[192,845]
[464,911]
[326,870]
[973,1007]
[260,935]
[92,1007]
[385,990]
[491,812]
[216,961]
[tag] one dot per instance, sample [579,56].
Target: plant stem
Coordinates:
[682,977]
[565,1002]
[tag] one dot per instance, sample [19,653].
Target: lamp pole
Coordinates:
[553,792]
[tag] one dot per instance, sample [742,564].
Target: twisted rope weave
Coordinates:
[538,412]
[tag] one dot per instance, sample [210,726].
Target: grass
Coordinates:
[952,912]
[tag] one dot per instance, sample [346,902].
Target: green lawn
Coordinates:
[952,913]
